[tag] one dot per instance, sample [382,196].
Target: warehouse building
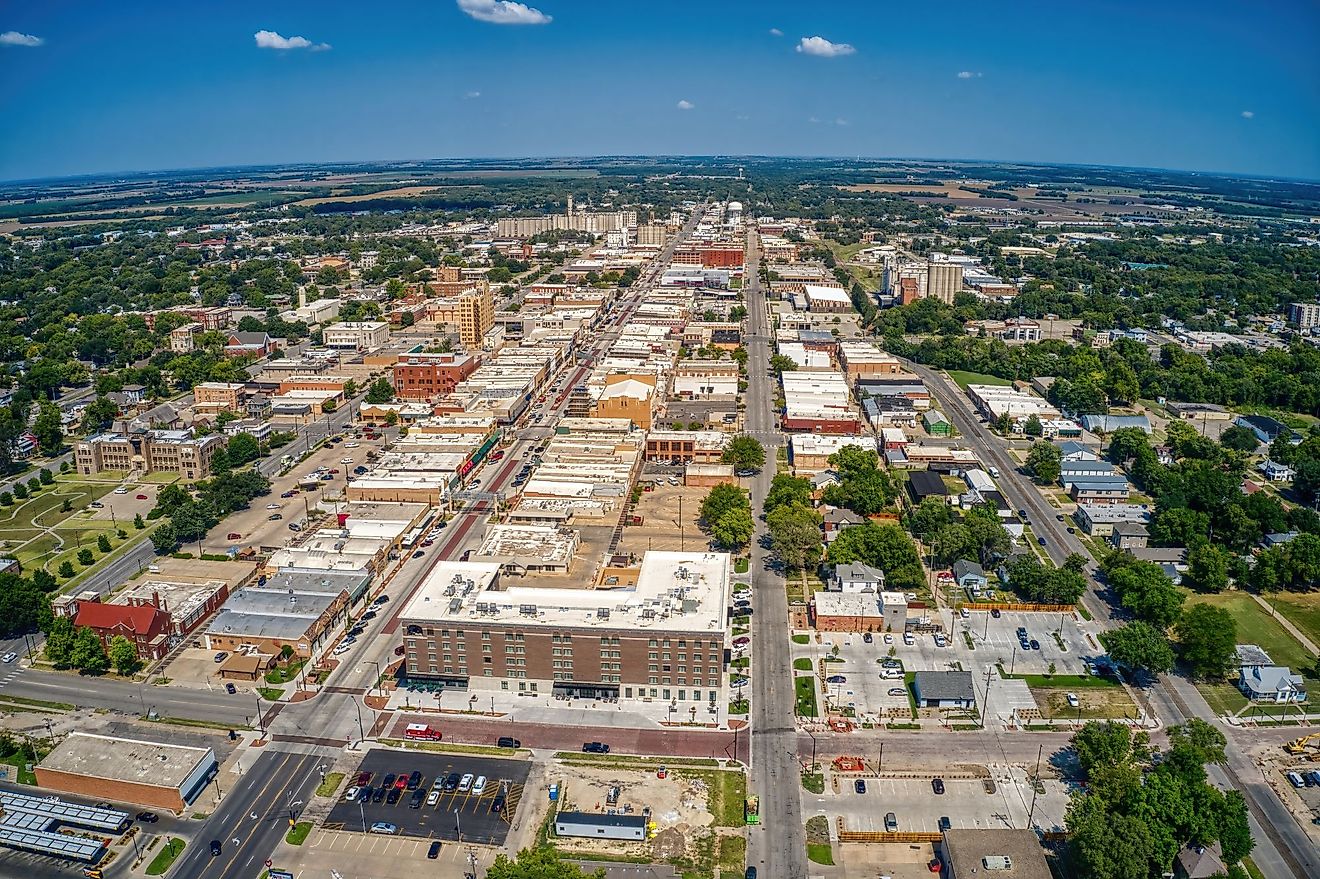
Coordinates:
[128,770]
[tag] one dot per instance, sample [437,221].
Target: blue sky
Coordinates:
[1215,86]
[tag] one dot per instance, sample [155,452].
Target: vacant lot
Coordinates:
[1302,609]
[962,379]
[1094,703]
[398,192]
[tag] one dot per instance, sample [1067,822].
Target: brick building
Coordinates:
[427,376]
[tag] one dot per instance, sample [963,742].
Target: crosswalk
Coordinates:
[10,672]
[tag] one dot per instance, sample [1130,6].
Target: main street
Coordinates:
[778,847]
[1283,848]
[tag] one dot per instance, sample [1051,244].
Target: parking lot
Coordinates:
[453,811]
[994,643]
[255,525]
[1001,798]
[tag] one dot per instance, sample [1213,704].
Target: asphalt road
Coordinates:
[1283,848]
[272,785]
[777,847]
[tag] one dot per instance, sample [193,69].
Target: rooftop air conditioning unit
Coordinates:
[997,862]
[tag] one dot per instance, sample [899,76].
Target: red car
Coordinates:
[402,781]
[142,497]
[495,456]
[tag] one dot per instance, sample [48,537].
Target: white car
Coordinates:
[1072,701]
[123,489]
[352,794]
[479,786]
[351,445]
[9,657]
[345,460]
[433,797]
[465,783]
[272,506]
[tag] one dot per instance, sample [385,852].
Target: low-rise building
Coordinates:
[944,689]
[425,376]
[528,549]
[1099,521]
[163,776]
[1271,683]
[858,611]
[295,607]
[597,825]
[215,397]
[357,335]
[1011,854]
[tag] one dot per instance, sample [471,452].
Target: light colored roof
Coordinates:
[132,760]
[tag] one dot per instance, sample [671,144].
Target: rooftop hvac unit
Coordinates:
[997,862]
[603,613]
[455,604]
[648,613]
[527,610]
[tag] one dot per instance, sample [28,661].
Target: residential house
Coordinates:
[857,577]
[1271,683]
[969,575]
[1199,862]
[249,345]
[1129,535]
[1071,451]
[1276,472]
[1266,429]
[836,519]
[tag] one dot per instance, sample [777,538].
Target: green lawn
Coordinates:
[282,674]
[298,833]
[328,787]
[801,639]
[802,663]
[733,854]
[806,696]
[16,521]
[20,761]
[1256,626]
[813,782]
[1302,610]
[165,857]
[962,378]
[820,853]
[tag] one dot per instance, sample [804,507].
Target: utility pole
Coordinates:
[985,705]
[1035,787]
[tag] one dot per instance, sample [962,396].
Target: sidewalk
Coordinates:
[1286,623]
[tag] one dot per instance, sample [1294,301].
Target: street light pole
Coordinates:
[361,733]
[261,720]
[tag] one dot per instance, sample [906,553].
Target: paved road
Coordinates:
[271,786]
[778,846]
[1283,848]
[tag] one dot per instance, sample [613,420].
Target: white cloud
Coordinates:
[812,119]
[823,48]
[14,38]
[272,40]
[685,105]
[1248,114]
[841,122]
[471,95]
[776,32]
[967,74]
[503,12]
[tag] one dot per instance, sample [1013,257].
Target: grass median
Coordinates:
[166,857]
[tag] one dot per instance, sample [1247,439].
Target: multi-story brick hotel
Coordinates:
[654,632]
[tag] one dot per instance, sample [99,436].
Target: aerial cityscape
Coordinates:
[744,442]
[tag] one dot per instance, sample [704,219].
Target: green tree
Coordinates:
[1127,443]
[733,528]
[381,391]
[863,487]
[138,523]
[929,517]
[123,656]
[6,499]
[85,557]
[99,414]
[1032,426]
[1139,645]
[744,453]
[538,863]
[20,491]
[795,536]
[781,364]
[1107,744]
[1044,462]
[48,430]
[722,499]
[886,547]
[1207,568]
[66,506]
[1239,439]
[1207,639]
[47,478]
[103,543]
[88,653]
[66,569]
[59,641]
[785,489]
[243,448]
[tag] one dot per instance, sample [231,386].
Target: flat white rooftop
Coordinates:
[675,592]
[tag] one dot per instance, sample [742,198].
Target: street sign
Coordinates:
[280,874]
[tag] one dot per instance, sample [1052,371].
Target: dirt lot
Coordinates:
[683,826]
[660,530]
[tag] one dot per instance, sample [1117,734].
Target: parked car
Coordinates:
[897,691]
[434,851]
[937,785]
[433,797]
[891,822]
[945,823]
[507,742]
[388,780]
[417,798]
[859,786]
[363,778]
[401,780]
[352,794]
[866,638]
[384,827]
[141,497]
[836,679]
[1073,701]
[10,656]
[994,612]
[479,786]
[393,795]
[595,748]
[274,517]
[148,817]
[414,781]
[230,688]
[220,657]
[451,782]
[378,794]
[1035,645]
[419,554]
[465,783]
[497,804]
[233,535]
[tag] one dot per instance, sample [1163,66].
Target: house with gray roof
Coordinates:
[944,689]
[969,575]
[1271,683]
